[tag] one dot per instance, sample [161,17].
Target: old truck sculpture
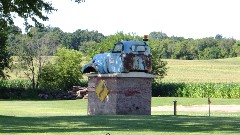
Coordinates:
[126,56]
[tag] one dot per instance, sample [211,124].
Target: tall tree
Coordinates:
[4,53]
[32,52]
[34,10]
[25,9]
[157,35]
[4,56]
[158,65]
[76,39]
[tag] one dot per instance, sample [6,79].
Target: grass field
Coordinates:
[70,117]
[217,70]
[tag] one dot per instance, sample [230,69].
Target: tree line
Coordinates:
[195,49]
[32,48]
[92,42]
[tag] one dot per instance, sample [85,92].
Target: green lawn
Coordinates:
[216,70]
[70,117]
[162,101]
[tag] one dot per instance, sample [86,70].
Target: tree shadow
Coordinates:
[155,123]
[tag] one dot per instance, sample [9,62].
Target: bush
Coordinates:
[64,73]
[83,83]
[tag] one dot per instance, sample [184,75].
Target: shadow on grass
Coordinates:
[155,123]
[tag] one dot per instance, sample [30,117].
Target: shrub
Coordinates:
[64,72]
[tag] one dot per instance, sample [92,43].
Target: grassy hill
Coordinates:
[217,70]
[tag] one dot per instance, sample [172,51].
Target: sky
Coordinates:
[183,18]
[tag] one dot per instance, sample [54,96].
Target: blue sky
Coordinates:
[187,18]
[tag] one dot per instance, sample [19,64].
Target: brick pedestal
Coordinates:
[120,93]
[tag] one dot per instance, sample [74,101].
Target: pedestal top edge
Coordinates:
[130,74]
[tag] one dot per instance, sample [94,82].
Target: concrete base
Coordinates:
[120,93]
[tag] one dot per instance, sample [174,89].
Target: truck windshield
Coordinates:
[138,48]
[117,48]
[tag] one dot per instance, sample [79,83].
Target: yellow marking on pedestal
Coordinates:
[101,90]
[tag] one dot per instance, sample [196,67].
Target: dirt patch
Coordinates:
[200,108]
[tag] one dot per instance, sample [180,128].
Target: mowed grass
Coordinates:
[217,70]
[70,117]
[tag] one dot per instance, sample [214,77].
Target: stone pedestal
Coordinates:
[120,93]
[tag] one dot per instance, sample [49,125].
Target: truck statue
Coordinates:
[126,56]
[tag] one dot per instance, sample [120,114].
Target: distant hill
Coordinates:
[216,70]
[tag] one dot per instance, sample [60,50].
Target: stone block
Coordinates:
[120,93]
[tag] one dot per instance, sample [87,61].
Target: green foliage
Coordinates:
[190,49]
[197,90]
[25,9]
[213,90]
[160,89]
[64,72]
[39,41]
[107,44]
[158,66]
[83,83]
[4,55]
[13,89]
[14,84]
[157,35]
[32,51]
[31,11]
[76,39]
[235,50]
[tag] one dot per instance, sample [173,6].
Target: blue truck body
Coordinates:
[126,56]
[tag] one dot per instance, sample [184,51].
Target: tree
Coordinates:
[211,53]
[157,35]
[158,66]
[32,52]
[225,45]
[109,42]
[64,72]
[76,39]
[218,36]
[33,10]
[4,56]
[235,52]
[25,9]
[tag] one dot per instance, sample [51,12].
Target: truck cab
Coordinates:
[126,56]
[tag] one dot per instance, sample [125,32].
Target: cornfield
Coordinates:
[196,90]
